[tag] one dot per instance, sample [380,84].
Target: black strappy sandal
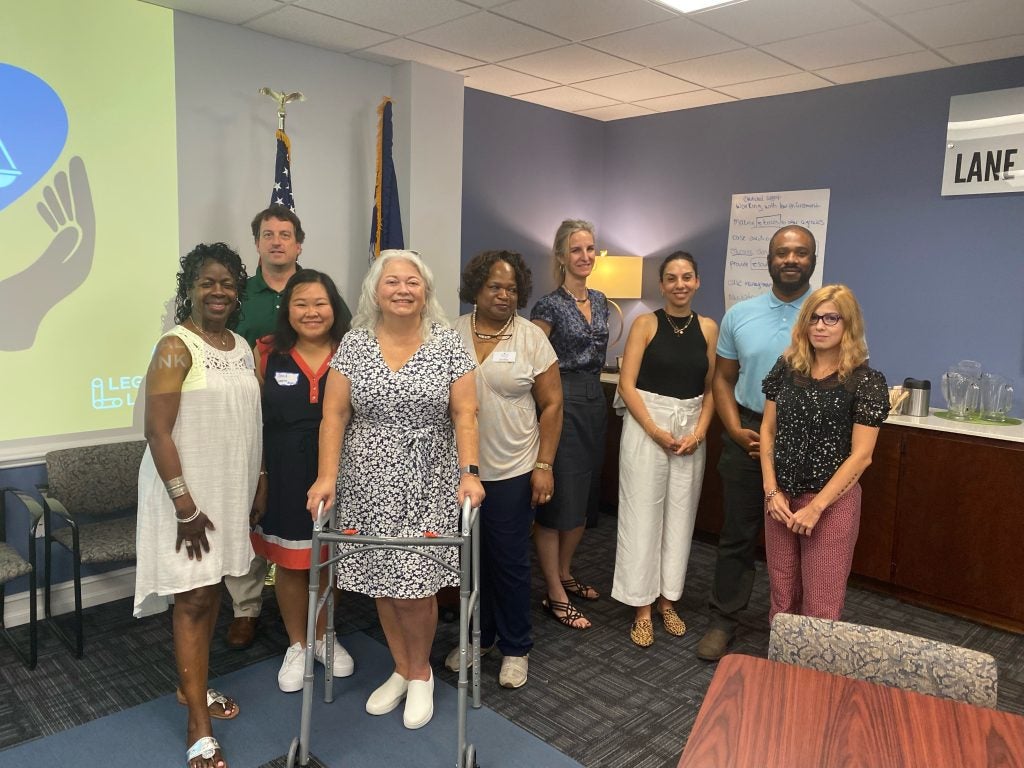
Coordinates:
[569,613]
[580,590]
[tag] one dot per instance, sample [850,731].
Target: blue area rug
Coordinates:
[153,734]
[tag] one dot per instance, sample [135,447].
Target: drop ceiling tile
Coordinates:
[566,98]
[919,61]
[616,112]
[685,101]
[970,53]
[231,11]
[756,22]
[569,64]
[495,79]
[640,84]
[399,17]
[965,22]
[316,29]
[774,86]
[864,42]
[663,42]
[487,37]
[583,19]
[892,7]
[732,67]
[400,49]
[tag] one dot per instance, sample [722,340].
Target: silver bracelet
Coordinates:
[176,487]
[190,518]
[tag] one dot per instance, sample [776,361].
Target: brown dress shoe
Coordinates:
[713,645]
[241,632]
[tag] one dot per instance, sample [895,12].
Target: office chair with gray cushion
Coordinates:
[13,566]
[93,491]
[886,657]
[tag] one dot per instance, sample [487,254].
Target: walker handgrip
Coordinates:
[320,517]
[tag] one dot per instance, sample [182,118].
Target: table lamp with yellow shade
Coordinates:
[617,277]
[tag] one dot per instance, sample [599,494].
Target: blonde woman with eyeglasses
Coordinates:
[823,409]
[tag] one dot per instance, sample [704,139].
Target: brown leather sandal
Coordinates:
[569,615]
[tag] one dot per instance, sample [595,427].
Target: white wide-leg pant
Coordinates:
[658,496]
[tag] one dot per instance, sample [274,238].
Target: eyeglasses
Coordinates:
[829,318]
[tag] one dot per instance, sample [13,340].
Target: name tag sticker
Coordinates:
[505,356]
[286,379]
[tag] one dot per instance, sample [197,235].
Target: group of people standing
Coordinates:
[396,418]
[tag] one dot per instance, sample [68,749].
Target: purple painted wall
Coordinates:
[940,279]
[525,169]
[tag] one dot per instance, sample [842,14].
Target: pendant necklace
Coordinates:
[491,336]
[221,343]
[676,329]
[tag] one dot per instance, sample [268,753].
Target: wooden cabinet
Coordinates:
[960,523]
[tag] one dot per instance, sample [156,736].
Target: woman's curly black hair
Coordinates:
[192,262]
[475,274]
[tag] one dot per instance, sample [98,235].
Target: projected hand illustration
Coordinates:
[66,207]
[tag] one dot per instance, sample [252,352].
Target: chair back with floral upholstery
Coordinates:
[886,657]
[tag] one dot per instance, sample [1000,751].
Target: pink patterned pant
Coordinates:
[808,573]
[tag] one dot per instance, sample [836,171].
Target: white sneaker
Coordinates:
[343,664]
[289,677]
[387,696]
[513,671]
[419,703]
[451,661]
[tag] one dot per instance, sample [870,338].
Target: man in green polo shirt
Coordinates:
[278,234]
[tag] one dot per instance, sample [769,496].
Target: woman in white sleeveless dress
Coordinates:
[199,477]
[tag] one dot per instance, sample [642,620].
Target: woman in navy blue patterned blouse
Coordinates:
[575,318]
[823,410]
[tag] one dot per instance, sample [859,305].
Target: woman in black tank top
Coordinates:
[665,385]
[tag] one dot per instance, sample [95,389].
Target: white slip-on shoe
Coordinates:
[513,671]
[388,696]
[419,703]
[451,661]
[289,677]
[343,664]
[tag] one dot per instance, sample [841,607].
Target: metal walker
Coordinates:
[467,539]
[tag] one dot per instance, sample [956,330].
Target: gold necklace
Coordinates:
[222,343]
[676,329]
[584,300]
[491,336]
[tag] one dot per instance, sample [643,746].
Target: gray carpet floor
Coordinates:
[592,694]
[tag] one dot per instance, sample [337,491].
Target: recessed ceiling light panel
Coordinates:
[692,6]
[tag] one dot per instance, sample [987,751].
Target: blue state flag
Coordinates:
[386,225]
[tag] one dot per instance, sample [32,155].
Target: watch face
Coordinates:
[471,469]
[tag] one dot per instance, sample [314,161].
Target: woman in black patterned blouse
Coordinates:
[821,419]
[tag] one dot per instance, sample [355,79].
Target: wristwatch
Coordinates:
[470,469]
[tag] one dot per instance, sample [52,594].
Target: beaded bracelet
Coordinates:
[772,493]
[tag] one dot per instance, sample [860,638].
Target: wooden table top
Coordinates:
[768,714]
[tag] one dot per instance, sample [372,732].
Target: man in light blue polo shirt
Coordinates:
[753,335]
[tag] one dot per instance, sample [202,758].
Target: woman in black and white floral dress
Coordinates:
[400,413]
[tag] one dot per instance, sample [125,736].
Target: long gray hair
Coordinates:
[368,313]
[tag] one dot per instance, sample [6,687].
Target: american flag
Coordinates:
[282,193]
